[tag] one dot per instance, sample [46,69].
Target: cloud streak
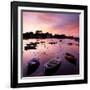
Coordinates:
[63,23]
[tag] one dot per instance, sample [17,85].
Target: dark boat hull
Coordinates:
[31,46]
[70,58]
[51,70]
[31,68]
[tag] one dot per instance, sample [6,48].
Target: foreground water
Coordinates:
[45,51]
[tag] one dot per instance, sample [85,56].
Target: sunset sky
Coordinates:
[55,23]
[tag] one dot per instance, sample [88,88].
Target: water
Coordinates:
[45,51]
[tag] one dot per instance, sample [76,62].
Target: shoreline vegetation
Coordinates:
[40,35]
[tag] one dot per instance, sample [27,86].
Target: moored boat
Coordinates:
[52,42]
[70,43]
[60,41]
[52,66]
[32,66]
[69,57]
[42,42]
[30,46]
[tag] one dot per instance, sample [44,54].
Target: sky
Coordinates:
[55,23]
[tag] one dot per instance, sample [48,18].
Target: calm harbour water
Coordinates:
[46,51]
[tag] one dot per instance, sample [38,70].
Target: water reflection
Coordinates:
[47,49]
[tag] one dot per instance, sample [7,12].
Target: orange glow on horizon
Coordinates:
[55,23]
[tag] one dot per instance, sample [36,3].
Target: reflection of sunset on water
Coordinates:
[46,51]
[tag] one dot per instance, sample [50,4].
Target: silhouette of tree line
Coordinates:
[40,35]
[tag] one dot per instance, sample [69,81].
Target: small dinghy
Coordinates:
[32,66]
[70,43]
[52,66]
[42,42]
[31,46]
[60,41]
[69,57]
[52,42]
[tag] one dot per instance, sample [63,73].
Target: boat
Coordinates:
[31,46]
[37,42]
[42,42]
[52,66]
[70,43]
[71,58]
[52,42]
[32,66]
[60,41]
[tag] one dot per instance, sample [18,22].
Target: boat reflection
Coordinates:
[46,50]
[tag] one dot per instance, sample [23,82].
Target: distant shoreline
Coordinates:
[39,35]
